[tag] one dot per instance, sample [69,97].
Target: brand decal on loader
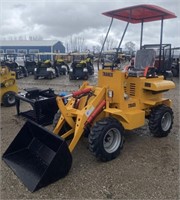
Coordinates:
[88,112]
[131,105]
[109,74]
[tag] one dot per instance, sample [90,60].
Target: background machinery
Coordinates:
[45,67]
[163,61]
[30,62]
[112,59]
[8,86]
[43,105]
[62,66]
[175,61]
[121,100]
[81,66]
[10,60]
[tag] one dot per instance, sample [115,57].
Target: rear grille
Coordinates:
[42,70]
[132,89]
[125,89]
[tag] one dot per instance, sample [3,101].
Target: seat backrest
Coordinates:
[144,58]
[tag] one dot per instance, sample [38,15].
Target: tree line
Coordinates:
[79,44]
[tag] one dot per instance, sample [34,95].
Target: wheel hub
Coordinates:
[11,99]
[166,121]
[112,140]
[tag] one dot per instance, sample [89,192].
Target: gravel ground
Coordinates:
[148,167]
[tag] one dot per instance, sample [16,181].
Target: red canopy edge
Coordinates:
[139,13]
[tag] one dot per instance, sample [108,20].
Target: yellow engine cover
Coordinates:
[158,85]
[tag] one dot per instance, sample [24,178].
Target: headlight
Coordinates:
[71,70]
[85,70]
[35,69]
[110,93]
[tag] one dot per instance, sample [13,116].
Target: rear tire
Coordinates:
[57,74]
[86,77]
[175,72]
[71,77]
[17,76]
[50,76]
[106,139]
[26,74]
[8,99]
[161,121]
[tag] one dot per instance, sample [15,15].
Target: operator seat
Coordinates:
[144,64]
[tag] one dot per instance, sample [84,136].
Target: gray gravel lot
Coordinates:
[148,167]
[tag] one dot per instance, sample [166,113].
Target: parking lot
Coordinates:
[148,167]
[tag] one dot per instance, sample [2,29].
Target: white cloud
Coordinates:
[61,19]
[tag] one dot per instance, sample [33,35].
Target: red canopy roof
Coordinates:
[145,12]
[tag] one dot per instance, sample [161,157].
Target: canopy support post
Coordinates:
[105,41]
[141,39]
[161,37]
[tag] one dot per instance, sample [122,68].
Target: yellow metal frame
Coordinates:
[68,113]
[128,99]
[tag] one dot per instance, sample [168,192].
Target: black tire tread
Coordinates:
[95,137]
[155,119]
[5,99]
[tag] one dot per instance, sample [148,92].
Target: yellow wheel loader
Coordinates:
[8,86]
[121,100]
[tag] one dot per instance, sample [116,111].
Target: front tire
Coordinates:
[106,139]
[161,121]
[8,99]
[35,77]
[17,75]
[71,77]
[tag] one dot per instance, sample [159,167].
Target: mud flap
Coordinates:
[37,156]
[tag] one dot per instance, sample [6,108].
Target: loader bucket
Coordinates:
[37,156]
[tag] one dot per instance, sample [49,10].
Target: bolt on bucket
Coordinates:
[37,156]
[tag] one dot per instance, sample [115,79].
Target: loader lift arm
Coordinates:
[79,118]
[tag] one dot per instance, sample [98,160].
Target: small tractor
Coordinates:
[8,86]
[121,100]
[45,69]
[62,67]
[30,63]
[81,66]
[112,59]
